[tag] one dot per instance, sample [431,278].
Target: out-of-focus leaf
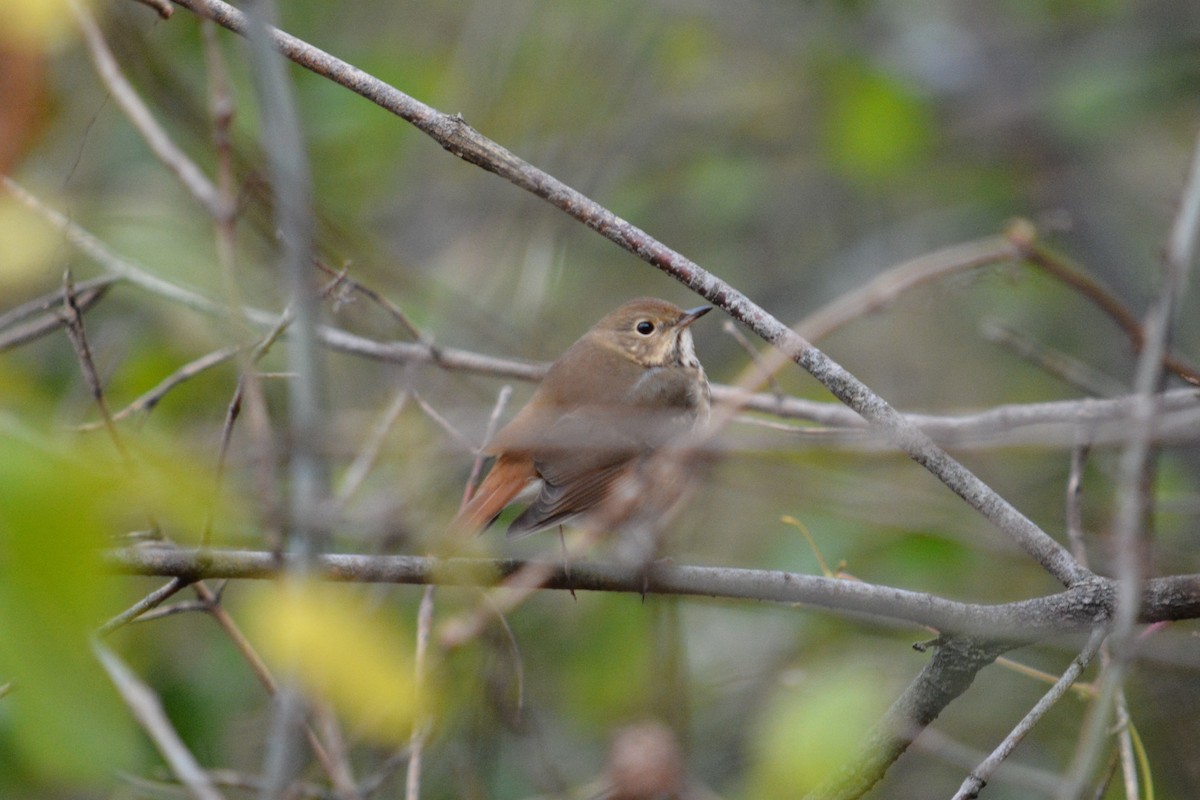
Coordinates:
[809,732]
[65,719]
[324,639]
[875,128]
[36,24]
[60,502]
[26,243]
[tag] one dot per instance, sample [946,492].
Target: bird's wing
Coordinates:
[589,453]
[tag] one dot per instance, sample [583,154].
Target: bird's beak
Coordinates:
[693,314]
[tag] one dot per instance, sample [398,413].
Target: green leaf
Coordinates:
[810,730]
[875,127]
[65,719]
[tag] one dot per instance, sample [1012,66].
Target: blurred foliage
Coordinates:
[821,721]
[363,666]
[795,149]
[61,502]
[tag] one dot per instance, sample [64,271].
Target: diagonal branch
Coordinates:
[148,710]
[979,776]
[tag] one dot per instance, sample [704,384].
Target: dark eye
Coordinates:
[645,327]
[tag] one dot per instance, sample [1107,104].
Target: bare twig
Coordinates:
[886,288]
[1075,534]
[87,294]
[1038,781]
[148,400]
[150,601]
[83,352]
[1059,267]
[162,7]
[1070,370]
[148,711]
[422,723]
[730,328]
[1074,507]
[981,774]
[445,424]
[493,420]
[139,115]
[341,277]
[262,672]
[356,473]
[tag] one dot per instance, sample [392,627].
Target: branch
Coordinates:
[1075,610]
[47,307]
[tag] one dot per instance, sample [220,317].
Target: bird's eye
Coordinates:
[645,327]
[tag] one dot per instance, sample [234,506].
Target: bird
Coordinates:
[622,391]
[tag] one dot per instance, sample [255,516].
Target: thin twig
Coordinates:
[893,282]
[262,672]
[514,649]
[981,774]
[149,399]
[150,601]
[423,722]
[193,179]
[342,277]
[87,294]
[444,423]
[146,708]
[83,352]
[493,422]
[1061,268]
[1074,513]
[357,472]
[730,328]
[1070,370]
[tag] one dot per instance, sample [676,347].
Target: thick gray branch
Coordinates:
[1072,611]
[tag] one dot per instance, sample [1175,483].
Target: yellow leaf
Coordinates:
[318,635]
[36,24]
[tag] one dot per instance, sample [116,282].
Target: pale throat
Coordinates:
[687,350]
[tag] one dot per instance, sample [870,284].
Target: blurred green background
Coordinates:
[794,149]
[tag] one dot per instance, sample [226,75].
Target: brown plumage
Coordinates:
[624,389]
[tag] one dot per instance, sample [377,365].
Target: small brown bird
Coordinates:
[626,388]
